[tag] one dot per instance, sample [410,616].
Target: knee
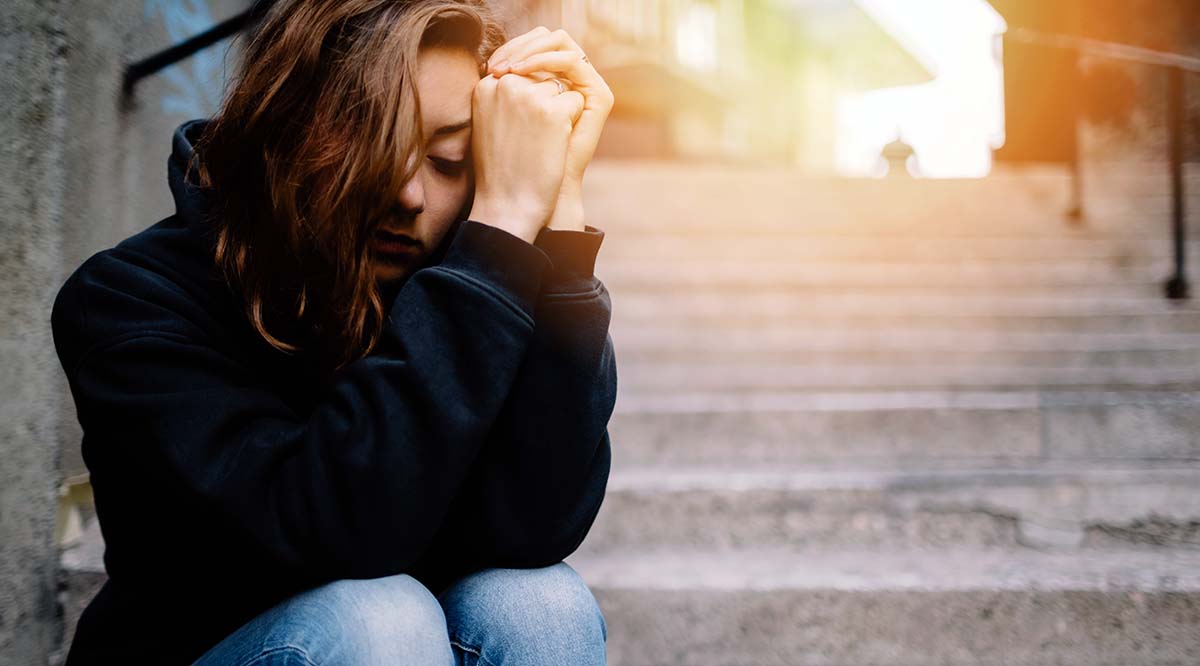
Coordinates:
[389,605]
[516,603]
[394,618]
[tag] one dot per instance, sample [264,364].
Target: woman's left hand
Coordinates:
[554,52]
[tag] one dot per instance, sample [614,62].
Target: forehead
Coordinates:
[446,78]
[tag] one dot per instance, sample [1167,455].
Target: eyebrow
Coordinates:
[451,129]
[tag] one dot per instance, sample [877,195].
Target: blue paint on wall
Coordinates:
[196,84]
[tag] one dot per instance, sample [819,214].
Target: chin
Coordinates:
[390,276]
[389,272]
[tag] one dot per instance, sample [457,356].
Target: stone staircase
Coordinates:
[867,423]
[896,422]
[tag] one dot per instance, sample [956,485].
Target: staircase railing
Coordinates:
[139,70]
[1175,65]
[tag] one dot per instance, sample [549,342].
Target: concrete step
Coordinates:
[760,305]
[697,427]
[694,197]
[1034,184]
[931,505]
[637,327]
[650,338]
[695,215]
[866,607]
[1099,275]
[81,571]
[904,293]
[699,214]
[770,605]
[743,365]
[795,245]
[917,371]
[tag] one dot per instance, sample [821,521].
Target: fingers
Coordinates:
[541,50]
[558,40]
[537,40]
[548,87]
[502,54]
[538,76]
[571,102]
[568,63]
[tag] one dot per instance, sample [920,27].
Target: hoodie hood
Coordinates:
[191,200]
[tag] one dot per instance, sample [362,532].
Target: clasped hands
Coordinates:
[533,140]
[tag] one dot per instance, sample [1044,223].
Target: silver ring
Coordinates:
[561,87]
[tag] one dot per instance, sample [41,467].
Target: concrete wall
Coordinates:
[80,169]
[32,69]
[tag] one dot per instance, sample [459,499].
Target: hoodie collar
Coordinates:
[191,200]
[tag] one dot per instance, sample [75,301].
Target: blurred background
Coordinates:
[909,364]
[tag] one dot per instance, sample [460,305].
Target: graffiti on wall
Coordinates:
[195,85]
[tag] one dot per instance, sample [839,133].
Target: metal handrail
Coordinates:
[139,70]
[1109,50]
[1175,65]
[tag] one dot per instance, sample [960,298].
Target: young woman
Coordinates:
[349,404]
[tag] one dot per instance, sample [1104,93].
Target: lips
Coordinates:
[396,236]
[396,243]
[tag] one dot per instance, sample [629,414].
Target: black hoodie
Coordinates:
[227,477]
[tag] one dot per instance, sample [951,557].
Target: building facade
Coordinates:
[727,80]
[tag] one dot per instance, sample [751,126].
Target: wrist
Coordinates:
[511,218]
[568,210]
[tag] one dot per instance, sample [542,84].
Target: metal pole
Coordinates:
[1177,287]
[1075,212]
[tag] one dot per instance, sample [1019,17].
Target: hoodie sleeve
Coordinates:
[355,489]
[537,486]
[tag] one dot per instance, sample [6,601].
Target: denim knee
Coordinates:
[394,619]
[526,616]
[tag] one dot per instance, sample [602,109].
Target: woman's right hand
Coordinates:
[520,129]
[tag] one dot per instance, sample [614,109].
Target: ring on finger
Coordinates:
[563,86]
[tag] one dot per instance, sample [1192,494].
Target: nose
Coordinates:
[412,195]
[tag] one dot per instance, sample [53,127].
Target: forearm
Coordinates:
[536,487]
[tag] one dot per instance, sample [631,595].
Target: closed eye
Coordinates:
[449,167]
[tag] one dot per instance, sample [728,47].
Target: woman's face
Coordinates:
[431,201]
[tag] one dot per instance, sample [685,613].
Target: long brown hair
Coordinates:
[320,119]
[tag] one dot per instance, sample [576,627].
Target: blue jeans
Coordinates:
[493,617]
